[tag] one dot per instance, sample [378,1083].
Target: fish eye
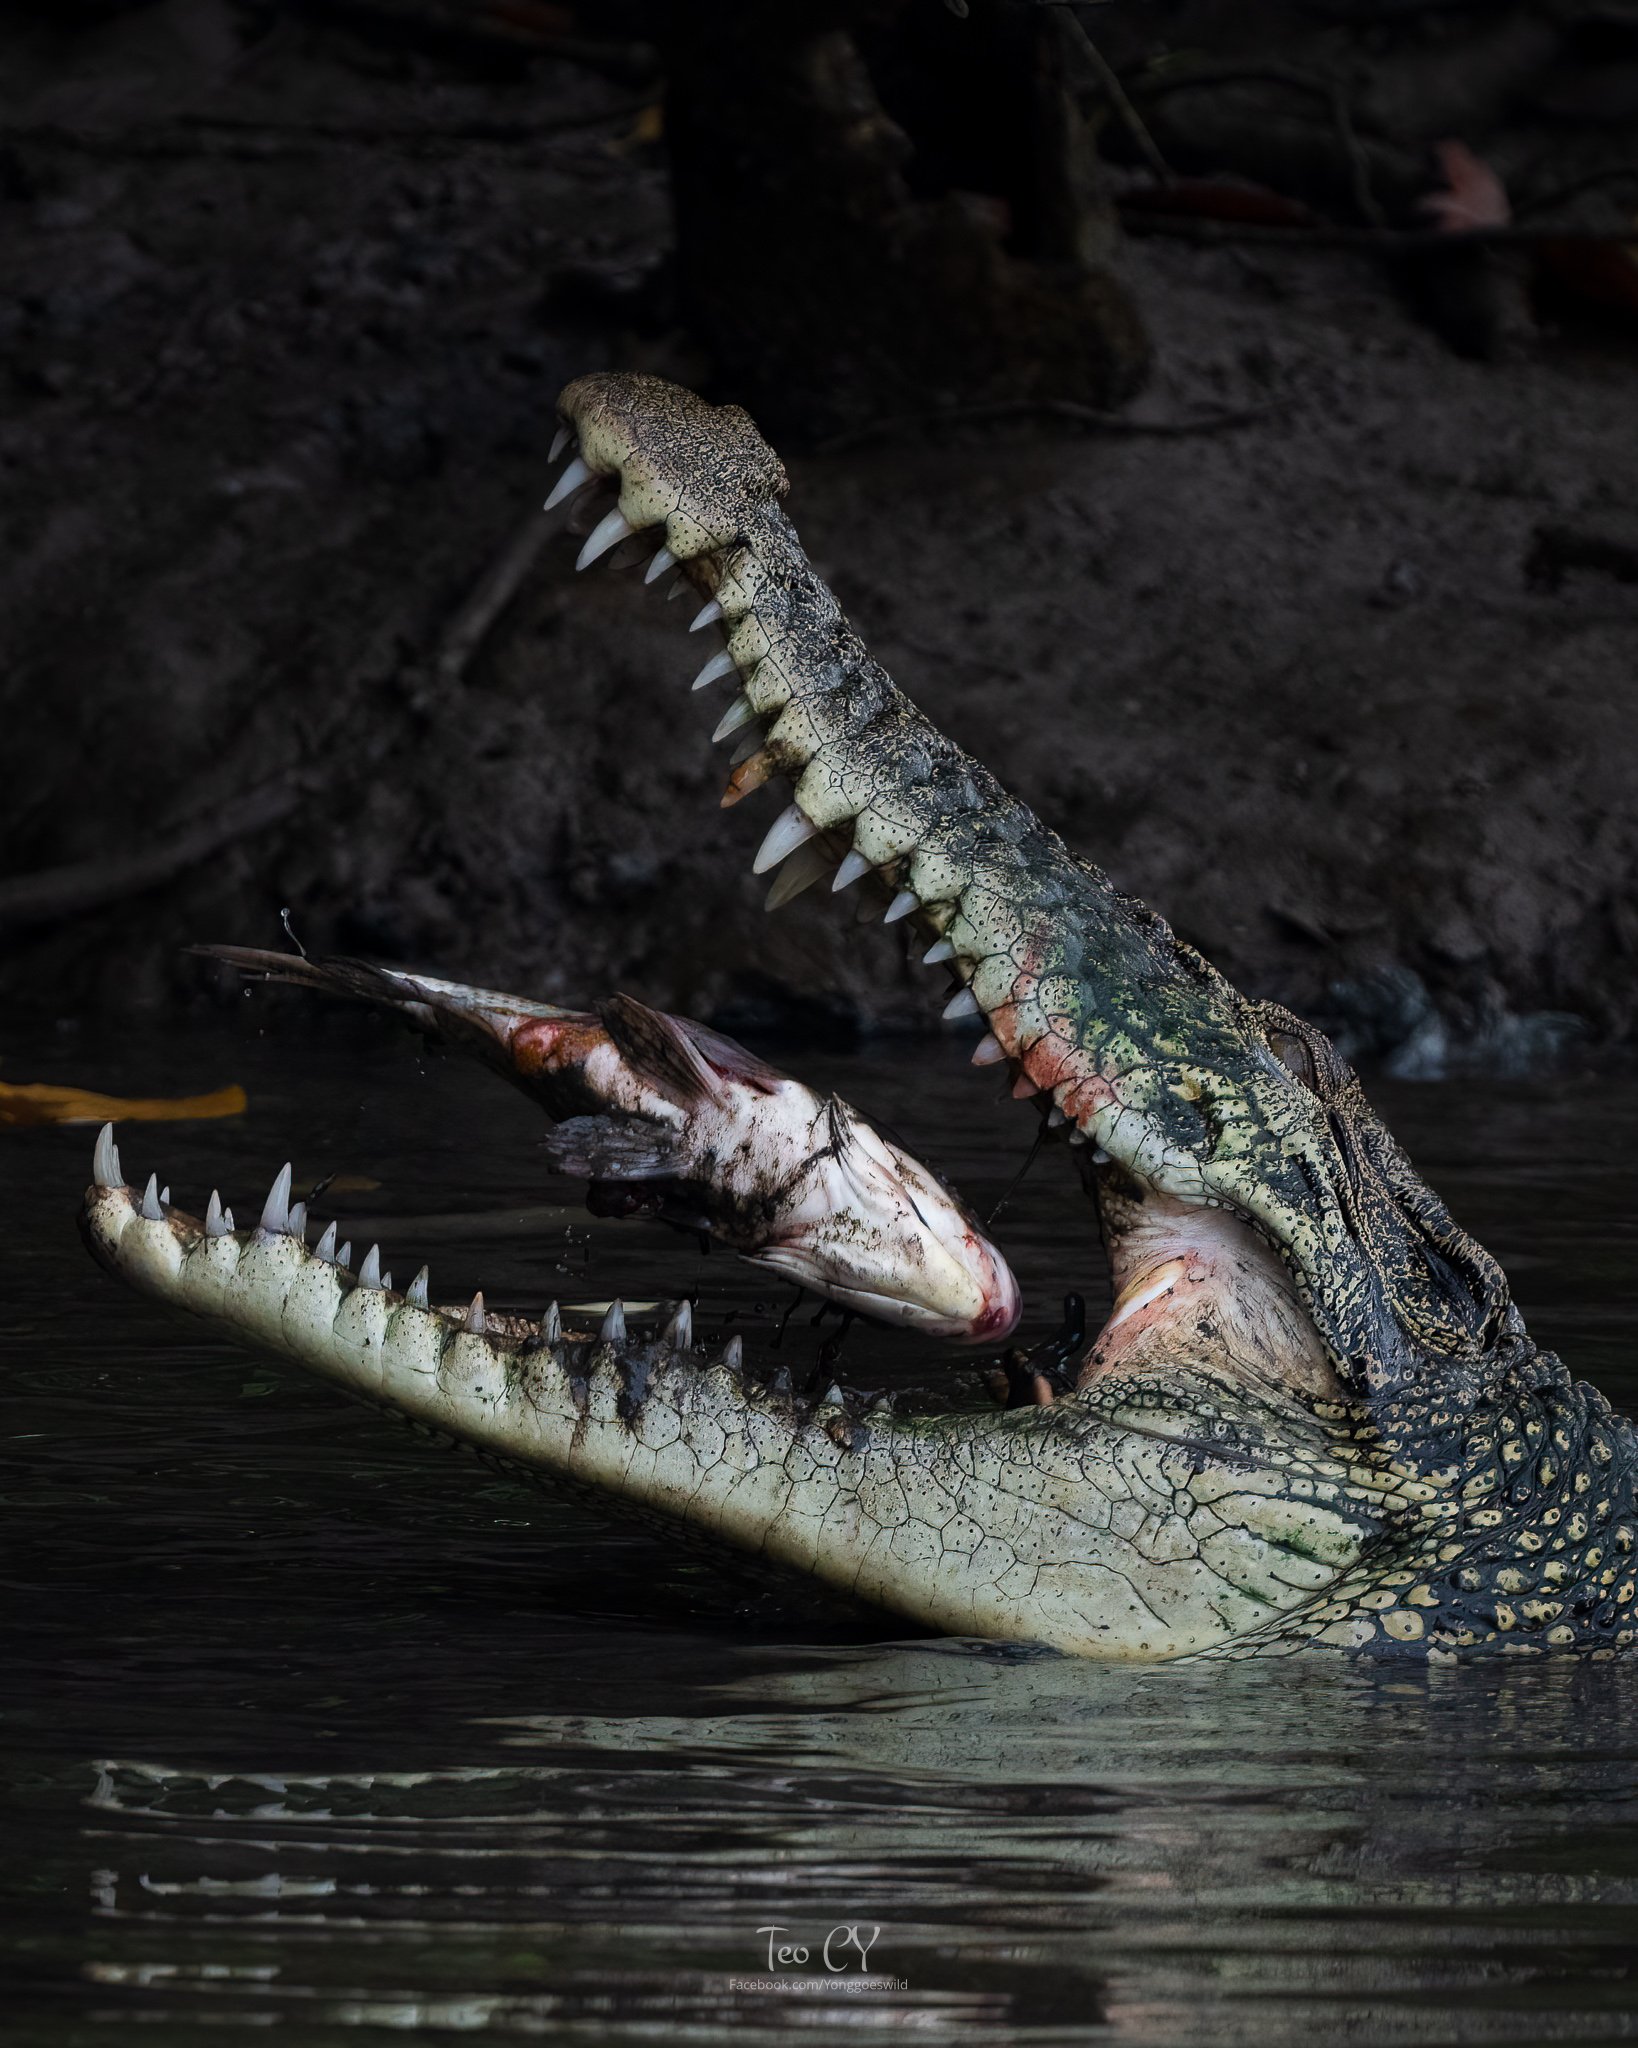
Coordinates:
[1293,1054]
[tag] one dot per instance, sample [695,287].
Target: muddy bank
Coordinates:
[283,318]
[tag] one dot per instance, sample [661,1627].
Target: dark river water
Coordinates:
[317,1732]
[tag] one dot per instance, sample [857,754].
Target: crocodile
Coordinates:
[1313,1418]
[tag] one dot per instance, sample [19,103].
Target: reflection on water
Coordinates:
[311,1728]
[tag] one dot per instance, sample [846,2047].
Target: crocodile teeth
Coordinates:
[369,1274]
[474,1324]
[831,1397]
[962,1004]
[551,1324]
[613,1330]
[1055,1117]
[386,1283]
[901,906]
[715,669]
[570,481]
[806,866]
[679,588]
[609,531]
[344,1257]
[416,1293]
[939,950]
[560,441]
[276,1209]
[988,1051]
[150,1200]
[165,1198]
[664,560]
[326,1247]
[738,714]
[748,774]
[298,1219]
[227,1218]
[733,1354]
[791,829]
[105,1160]
[707,615]
[216,1224]
[853,869]
[750,745]
[679,1332]
[1023,1088]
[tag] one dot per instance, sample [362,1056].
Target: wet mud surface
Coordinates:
[283,316]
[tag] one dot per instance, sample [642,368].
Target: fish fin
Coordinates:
[613,1148]
[684,1060]
[661,1051]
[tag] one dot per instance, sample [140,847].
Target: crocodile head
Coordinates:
[1312,1415]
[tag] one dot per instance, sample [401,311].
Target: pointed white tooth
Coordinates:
[733,1354]
[276,1209]
[1055,1117]
[551,1324]
[832,1397]
[474,1324]
[369,1274]
[560,441]
[1077,1137]
[988,1051]
[901,906]
[854,868]
[150,1200]
[680,588]
[664,560]
[679,1332]
[570,481]
[791,829]
[614,1324]
[326,1246]
[105,1160]
[417,1294]
[809,864]
[386,1283]
[940,949]
[962,1004]
[215,1226]
[738,714]
[165,1198]
[749,745]
[1099,1156]
[227,1218]
[609,531]
[344,1254]
[298,1219]
[707,615]
[1023,1088]
[715,669]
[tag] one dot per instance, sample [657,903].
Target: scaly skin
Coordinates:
[1314,1415]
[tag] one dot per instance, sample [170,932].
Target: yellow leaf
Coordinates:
[39,1102]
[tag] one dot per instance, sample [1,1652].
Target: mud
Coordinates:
[283,314]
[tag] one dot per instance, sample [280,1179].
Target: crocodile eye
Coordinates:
[1293,1054]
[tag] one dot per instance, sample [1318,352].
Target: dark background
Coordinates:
[1279,545]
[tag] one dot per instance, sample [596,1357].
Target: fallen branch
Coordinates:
[1382,241]
[1087,416]
[80,886]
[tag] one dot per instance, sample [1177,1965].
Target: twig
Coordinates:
[1611,174]
[1312,83]
[1144,221]
[226,135]
[80,886]
[1148,148]
[490,596]
[1088,416]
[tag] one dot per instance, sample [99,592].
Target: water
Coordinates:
[316,1730]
